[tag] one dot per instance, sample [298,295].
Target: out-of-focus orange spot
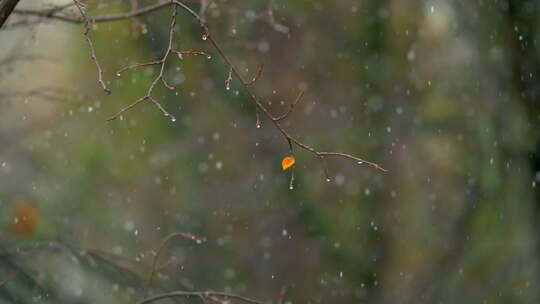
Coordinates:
[24,219]
[287,162]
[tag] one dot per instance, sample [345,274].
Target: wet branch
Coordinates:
[233,73]
[160,77]
[82,9]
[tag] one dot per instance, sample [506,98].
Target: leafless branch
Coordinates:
[82,10]
[160,77]
[233,73]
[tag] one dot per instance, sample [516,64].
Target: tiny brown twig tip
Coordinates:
[228,80]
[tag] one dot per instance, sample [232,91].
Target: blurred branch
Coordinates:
[6,8]
[164,243]
[14,59]
[204,295]
[209,295]
[49,94]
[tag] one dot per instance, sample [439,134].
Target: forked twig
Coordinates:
[290,139]
[160,77]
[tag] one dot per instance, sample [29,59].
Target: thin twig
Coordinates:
[165,241]
[160,77]
[257,75]
[82,9]
[181,54]
[267,113]
[291,107]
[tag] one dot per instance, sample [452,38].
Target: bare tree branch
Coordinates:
[233,72]
[82,10]
[160,77]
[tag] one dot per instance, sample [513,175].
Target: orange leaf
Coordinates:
[25,219]
[287,162]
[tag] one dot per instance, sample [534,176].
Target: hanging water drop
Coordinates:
[204,36]
[328,179]
[173,119]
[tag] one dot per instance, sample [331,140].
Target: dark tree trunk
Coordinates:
[6,7]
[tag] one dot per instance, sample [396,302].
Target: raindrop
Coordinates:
[208,57]
[118,74]
[227,86]
[328,179]
[204,36]
[360,162]
[173,119]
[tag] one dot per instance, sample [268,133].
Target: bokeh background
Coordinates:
[444,94]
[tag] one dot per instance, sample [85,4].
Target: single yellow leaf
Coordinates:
[287,162]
